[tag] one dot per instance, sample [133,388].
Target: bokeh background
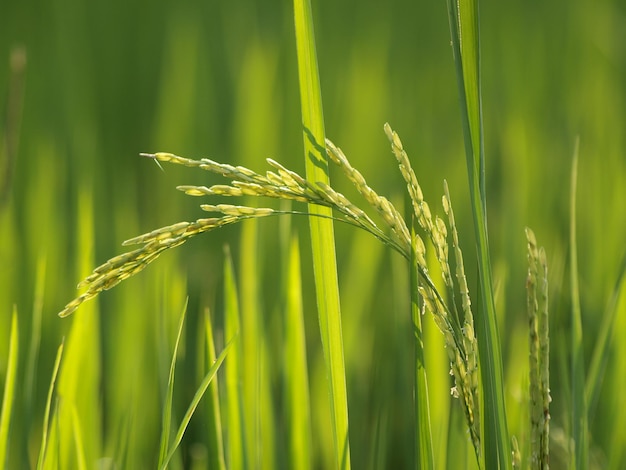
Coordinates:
[86,86]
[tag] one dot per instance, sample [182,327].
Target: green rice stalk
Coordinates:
[471,380]
[382,205]
[77,434]
[169,395]
[10,385]
[424,458]
[206,381]
[533,314]
[290,187]
[53,451]
[322,233]
[128,264]
[461,342]
[46,415]
[252,335]
[464,30]
[215,441]
[420,207]
[79,382]
[544,357]
[35,340]
[435,230]
[601,351]
[287,185]
[296,376]
[256,389]
[539,378]
[234,422]
[580,456]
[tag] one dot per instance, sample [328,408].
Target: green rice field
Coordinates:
[289,340]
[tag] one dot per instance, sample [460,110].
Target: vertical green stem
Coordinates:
[9,389]
[579,403]
[424,457]
[322,233]
[464,29]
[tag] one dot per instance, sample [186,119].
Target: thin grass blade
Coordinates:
[580,457]
[424,458]
[167,408]
[597,366]
[322,233]
[35,340]
[78,433]
[194,403]
[235,449]
[52,451]
[46,416]
[464,29]
[81,374]
[296,377]
[259,433]
[215,441]
[9,388]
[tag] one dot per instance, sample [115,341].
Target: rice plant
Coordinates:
[451,309]
[448,299]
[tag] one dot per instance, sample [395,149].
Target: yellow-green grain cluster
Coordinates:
[539,351]
[381,204]
[461,344]
[281,183]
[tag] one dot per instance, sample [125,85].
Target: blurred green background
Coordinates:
[105,81]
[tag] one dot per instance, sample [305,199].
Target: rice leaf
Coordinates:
[169,396]
[597,366]
[215,441]
[194,402]
[579,457]
[252,342]
[77,434]
[30,380]
[322,233]
[296,377]
[46,416]
[9,388]
[464,29]
[234,422]
[53,451]
[424,458]
[80,377]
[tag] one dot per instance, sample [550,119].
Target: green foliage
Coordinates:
[220,79]
[9,389]
[322,231]
[464,28]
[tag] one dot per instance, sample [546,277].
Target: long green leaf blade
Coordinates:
[79,381]
[601,352]
[206,381]
[9,388]
[423,442]
[167,409]
[579,403]
[215,438]
[296,377]
[236,456]
[464,29]
[46,416]
[322,233]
